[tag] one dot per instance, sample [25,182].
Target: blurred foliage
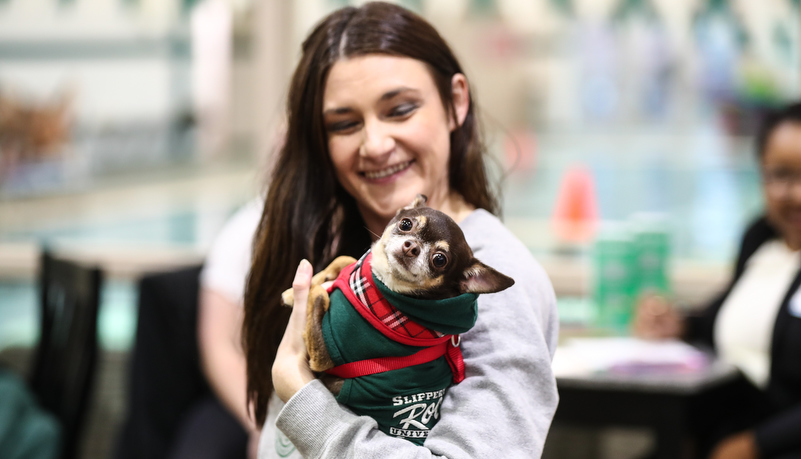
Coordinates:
[564,6]
[721,9]
[483,7]
[627,9]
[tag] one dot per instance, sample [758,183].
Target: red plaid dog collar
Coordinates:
[356,283]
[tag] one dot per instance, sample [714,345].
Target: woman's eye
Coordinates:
[342,126]
[439,260]
[402,110]
[405,225]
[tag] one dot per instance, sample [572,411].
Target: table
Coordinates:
[670,404]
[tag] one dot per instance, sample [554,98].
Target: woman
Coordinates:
[378,111]
[756,323]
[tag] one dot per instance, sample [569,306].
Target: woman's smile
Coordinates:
[387,172]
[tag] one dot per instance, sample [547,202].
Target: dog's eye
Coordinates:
[405,225]
[439,260]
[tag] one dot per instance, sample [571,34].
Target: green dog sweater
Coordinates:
[368,321]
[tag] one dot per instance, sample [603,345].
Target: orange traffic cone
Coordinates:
[575,217]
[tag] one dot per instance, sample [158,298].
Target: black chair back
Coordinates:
[165,377]
[66,355]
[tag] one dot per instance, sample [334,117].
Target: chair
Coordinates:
[66,355]
[165,377]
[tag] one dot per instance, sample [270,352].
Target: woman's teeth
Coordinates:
[388,171]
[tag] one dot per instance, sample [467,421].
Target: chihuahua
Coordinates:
[384,336]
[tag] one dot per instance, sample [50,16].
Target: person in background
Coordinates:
[378,111]
[219,425]
[755,324]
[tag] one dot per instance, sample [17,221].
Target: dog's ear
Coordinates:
[419,201]
[480,278]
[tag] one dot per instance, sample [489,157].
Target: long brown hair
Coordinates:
[307,214]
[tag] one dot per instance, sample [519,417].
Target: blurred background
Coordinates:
[131,129]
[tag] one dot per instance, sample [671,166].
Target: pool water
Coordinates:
[19,310]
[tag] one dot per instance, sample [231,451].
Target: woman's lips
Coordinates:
[388,171]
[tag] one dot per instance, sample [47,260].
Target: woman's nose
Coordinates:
[377,140]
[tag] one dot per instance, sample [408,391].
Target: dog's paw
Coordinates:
[288,298]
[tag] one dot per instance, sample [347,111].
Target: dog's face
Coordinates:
[423,253]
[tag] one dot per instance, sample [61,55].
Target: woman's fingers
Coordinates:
[291,368]
[302,283]
[300,289]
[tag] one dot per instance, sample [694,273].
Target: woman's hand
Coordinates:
[291,367]
[656,318]
[738,446]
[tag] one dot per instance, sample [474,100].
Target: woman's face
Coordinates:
[781,168]
[388,134]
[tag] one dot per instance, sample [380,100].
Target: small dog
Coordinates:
[384,337]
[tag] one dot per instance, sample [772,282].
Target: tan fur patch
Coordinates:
[406,288]
[421,221]
[473,271]
[380,262]
[430,283]
[443,246]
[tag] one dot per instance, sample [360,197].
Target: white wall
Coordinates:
[118,60]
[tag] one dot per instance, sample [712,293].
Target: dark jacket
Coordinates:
[781,432]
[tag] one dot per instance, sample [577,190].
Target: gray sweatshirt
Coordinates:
[504,406]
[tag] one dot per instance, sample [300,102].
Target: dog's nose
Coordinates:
[411,249]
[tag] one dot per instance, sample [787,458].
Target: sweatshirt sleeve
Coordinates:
[504,406]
